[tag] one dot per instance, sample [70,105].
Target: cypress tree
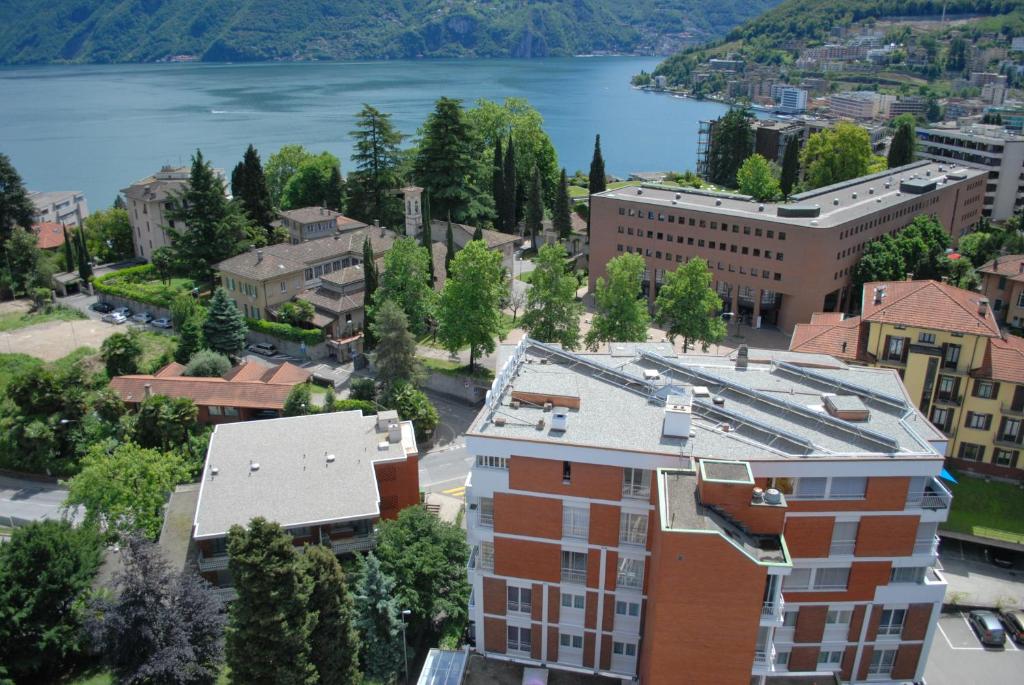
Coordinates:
[790,167]
[901,149]
[596,182]
[426,237]
[69,253]
[732,142]
[535,208]
[510,211]
[249,186]
[84,268]
[190,339]
[224,329]
[370,287]
[562,222]
[498,186]
[478,234]
[449,241]
[333,642]
[335,191]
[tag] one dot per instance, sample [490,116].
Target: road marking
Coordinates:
[455,492]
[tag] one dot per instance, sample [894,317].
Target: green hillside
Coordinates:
[34,31]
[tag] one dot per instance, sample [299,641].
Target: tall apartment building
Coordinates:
[991,148]
[857,104]
[67,207]
[641,515]
[959,370]
[777,262]
[792,100]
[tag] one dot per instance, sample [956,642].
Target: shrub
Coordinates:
[363,389]
[139,283]
[207,363]
[368,408]
[286,332]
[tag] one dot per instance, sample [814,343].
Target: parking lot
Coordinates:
[958,658]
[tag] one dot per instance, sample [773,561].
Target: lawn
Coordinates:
[577,191]
[990,510]
[525,277]
[156,348]
[456,368]
[92,678]
[16,320]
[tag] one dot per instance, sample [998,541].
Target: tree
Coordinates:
[44,568]
[22,260]
[427,558]
[956,59]
[69,254]
[413,405]
[835,155]
[159,626]
[445,161]
[498,187]
[757,179]
[552,313]
[16,209]
[84,265]
[516,301]
[269,624]
[881,261]
[622,314]
[597,182]
[299,401]
[335,192]
[427,238]
[213,229]
[125,489]
[207,364]
[790,167]
[298,313]
[469,312]
[281,166]
[184,306]
[449,243]
[395,352]
[687,304]
[510,195]
[377,158]
[249,186]
[369,288]
[190,339]
[901,149]
[379,621]
[121,353]
[163,261]
[333,641]
[562,221]
[535,208]
[224,329]
[731,143]
[164,423]
[405,280]
[314,183]
[363,389]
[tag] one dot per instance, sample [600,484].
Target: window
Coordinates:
[810,488]
[971,452]
[624,648]
[575,522]
[881,662]
[907,574]
[1009,430]
[895,349]
[949,388]
[950,356]
[942,418]
[230,411]
[799,579]
[519,599]
[830,658]
[623,608]
[571,601]
[570,641]
[838,617]
[789,617]
[831,578]
[574,567]
[892,622]
[519,639]
[486,461]
[986,390]
[633,529]
[1005,457]
[979,421]
[631,573]
[566,471]
[485,511]
[844,537]
[214,410]
[848,487]
[927,338]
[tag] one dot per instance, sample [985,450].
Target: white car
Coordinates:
[142,317]
[123,311]
[116,318]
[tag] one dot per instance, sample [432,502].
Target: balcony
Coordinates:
[934,496]
[358,543]
[575,577]
[485,519]
[634,491]
[1009,408]
[217,562]
[930,547]
[225,594]
[842,547]
[772,611]
[764,659]
[952,400]
[481,558]
[632,537]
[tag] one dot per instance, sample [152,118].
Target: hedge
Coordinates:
[139,283]
[368,408]
[285,331]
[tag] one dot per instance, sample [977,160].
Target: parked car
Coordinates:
[142,317]
[102,307]
[1003,558]
[116,318]
[162,322]
[1013,619]
[988,628]
[266,349]
[124,311]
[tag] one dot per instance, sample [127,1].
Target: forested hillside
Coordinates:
[40,31]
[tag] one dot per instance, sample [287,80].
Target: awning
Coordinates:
[946,475]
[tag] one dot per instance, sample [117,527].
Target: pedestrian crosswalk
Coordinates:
[455,492]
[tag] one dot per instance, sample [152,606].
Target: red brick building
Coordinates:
[637,514]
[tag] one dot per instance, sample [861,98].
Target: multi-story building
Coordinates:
[646,516]
[311,223]
[857,104]
[1002,282]
[959,370]
[67,207]
[912,104]
[777,262]
[978,146]
[326,479]
[792,100]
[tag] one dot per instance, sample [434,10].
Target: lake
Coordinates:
[99,128]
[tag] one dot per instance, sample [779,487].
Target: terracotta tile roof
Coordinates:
[1004,360]
[827,317]
[929,304]
[492,238]
[332,301]
[246,371]
[347,275]
[309,215]
[49,235]
[285,258]
[347,223]
[235,390]
[844,339]
[171,370]
[1011,266]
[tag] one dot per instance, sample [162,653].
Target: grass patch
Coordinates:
[91,678]
[15,320]
[504,327]
[525,277]
[140,283]
[451,368]
[12,365]
[156,348]
[989,510]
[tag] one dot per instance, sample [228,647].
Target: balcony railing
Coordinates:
[934,496]
[1008,408]
[485,519]
[217,562]
[225,594]
[580,532]
[842,547]
[764,658]
[359,543]
[927,546]
[575,577]
[632,537]
[773,609]
[634,491]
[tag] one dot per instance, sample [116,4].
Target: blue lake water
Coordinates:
[98,128]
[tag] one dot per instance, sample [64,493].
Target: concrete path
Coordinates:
[24,500]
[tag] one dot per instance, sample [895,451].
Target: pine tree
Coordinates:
[335,190]
[190,339]
[16,208]
[535,208]
[596,182]
[498,187]
[249,186]
[562,222]
[119,203]
[790,167]
[732,142]
[69,253]
[268,640]
[449,242]
[427,237]
[901,149]
[369,288]
[395,352]
[333,642]
[224,329]
[512,192]
[478,234]
[377,158]
[84,267]
[446,163]
[379,621]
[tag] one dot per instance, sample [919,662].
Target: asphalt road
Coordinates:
[445,466]
[23,500]
[957,658]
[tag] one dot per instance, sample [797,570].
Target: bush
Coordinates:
[413,405]
[207,363]
[368,408]
[139,283]
[363,389]
[286,332]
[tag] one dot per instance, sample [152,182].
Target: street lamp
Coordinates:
[405,645]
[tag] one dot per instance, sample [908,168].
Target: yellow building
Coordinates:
[957,366]
[1002,282]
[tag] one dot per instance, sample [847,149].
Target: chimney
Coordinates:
[879,294]
[742,357]
[910,276]
[678,413]
[376,224]
[147,391]
[1021,267]
[259,256]
[983,306]
[844,346]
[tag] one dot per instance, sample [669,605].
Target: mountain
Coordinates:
[101,31]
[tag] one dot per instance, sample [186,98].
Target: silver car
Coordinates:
[162,322]
[116,318]
[142,317]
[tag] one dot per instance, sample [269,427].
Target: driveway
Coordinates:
[55,339]
[24,500]
[976,581]
[957,658]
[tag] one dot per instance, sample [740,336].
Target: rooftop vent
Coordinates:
[383,446]
[701,391]
[548,406]
[718,203]
[757,495]
[760,208]
[254,466]
[560,419]
[259,256]
[330,458]
[514,404]
[854,196]
[678,414]
[742,357]
[871,191]
[718,400]
[540,424]
[214,470]
[639,191]
[499,420]
[835,201]
[845,407]
[772,496]
[651,375]
[879,294]
[679,196]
